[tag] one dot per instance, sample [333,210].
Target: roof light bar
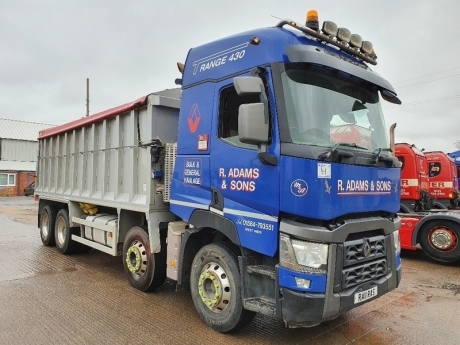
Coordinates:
[339,37]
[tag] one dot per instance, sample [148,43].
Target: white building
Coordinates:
[18,155]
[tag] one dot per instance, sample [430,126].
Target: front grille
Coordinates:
[362,273]
[355,251]
[361,260]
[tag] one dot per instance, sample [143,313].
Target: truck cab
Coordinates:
[261,162]
[415,195]
[443,180]
[456,157]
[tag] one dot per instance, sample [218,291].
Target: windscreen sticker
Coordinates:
[324,170]
[192,172]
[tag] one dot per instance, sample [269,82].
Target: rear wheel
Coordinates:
[63,234]
[47,218]
[215,284]
[144,270]
[440,240]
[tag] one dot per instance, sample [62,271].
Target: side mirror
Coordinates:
[252,127]
[248,85]
[390,97]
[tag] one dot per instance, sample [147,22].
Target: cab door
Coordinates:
[245,190]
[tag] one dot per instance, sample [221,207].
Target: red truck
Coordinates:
[443,183]
[428,186]
[437,233]
[415,195]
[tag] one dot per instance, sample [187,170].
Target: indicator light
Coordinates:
[312,20]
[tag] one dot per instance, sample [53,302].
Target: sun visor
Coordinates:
[302,53]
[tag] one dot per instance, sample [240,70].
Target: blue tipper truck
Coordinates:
[236,186]
[456,157]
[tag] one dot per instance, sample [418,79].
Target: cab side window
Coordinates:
[229,104]
[435,169]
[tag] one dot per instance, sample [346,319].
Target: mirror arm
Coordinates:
[265,157]
[268,159]
[264,100]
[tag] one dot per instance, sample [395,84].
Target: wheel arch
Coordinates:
[404,208]
[208,227]
[439,205]
[431,218]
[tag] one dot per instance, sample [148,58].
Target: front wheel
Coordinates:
[215,284]
[144,270]
[440,240]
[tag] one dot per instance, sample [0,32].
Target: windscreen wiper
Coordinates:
[378,157]
[334,151]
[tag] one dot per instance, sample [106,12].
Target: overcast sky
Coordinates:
[130,48]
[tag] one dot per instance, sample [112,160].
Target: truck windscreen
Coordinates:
[325,107]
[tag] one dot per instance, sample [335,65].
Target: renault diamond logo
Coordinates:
[367,249]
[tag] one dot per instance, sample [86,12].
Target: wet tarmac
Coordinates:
[49,298]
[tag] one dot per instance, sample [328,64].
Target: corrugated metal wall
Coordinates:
[102,162]
[19,150]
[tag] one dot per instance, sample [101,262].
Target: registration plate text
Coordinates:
[365,295]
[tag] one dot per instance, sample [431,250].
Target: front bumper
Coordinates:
[303,309]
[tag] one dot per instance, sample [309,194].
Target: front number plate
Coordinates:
[365,295]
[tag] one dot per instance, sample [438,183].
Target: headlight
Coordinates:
[303,256]
[310,254]
[397,243]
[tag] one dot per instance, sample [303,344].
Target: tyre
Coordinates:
[145,271]
[215,285]
[440,240]
[63,234]
[47,218]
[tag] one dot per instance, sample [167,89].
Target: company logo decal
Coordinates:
[220,58]
[299,187]
[328,188]
[367,249]
[194,118]
[363,187]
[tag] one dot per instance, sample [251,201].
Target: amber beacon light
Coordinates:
[312,20]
